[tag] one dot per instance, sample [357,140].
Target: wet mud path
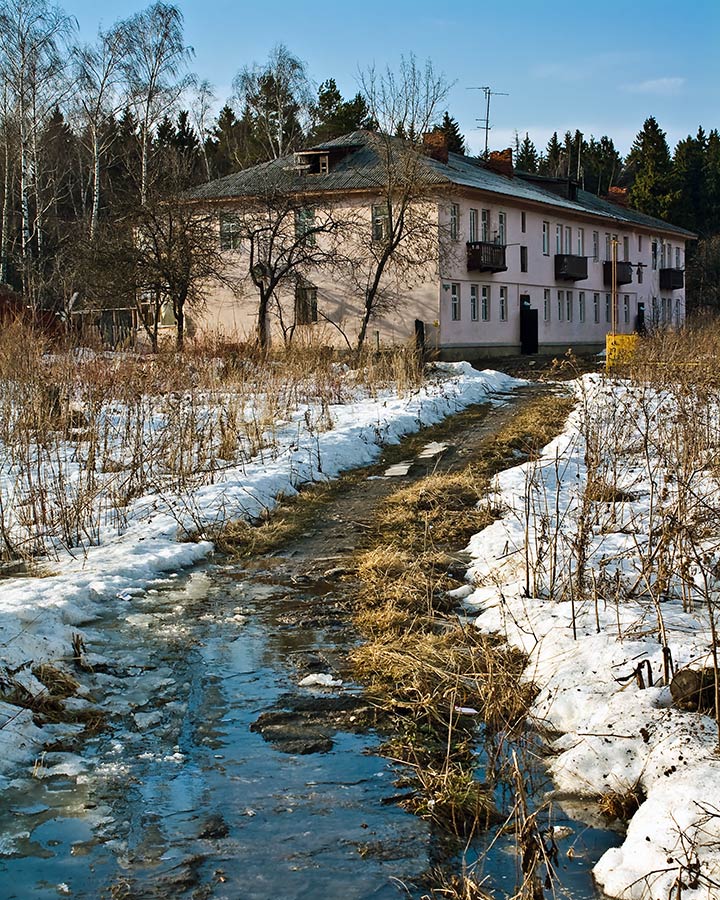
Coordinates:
[228,769]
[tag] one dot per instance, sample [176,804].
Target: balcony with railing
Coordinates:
[484,256]
[672,279]
[570,268]
[623,271]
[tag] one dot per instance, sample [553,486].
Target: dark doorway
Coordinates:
[640,319]
[528,326]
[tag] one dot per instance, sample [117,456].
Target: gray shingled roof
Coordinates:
[361,169]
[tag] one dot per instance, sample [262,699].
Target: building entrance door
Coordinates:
[528,326]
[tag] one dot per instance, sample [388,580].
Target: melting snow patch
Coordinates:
[320,680]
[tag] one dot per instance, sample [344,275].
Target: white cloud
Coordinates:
[660,87]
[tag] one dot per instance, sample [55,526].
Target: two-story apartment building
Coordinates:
[522,263]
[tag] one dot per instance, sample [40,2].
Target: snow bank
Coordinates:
[39,615]
[615,735]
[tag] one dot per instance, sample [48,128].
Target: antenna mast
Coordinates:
[489,92]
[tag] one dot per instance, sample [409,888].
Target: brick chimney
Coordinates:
[500,161]
[618,195]
[435,145]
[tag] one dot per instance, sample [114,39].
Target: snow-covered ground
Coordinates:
[38,615]
[644,542]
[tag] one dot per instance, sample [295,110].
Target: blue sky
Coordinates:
[602,68]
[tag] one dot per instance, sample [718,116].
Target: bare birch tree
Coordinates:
[99,79]
[404,235]
[202,103]
[155,61]
[278,98]
[32,36]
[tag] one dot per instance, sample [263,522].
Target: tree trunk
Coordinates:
[5,211]
[179,310]
[39,212]
[96,185]
[144,165]
[263,334]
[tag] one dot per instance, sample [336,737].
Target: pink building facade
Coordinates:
[525,264]
[558,263]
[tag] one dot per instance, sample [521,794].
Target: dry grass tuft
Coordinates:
[58,682]
[433,675]
[529,430]
[389,577]
[441,511]
[599,491]
[455,887]
[453,800]
[621,805]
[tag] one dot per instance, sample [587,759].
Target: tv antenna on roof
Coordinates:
[489,92]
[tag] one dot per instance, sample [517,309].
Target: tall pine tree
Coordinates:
[648,168]
[450,128]
[527,157]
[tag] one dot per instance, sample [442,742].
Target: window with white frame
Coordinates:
[485,302]
[229,232]
[485,225]
[677,258]
[608,247]
[306,308]
[473,302]
[305,224]
[581,242]
[558,238]
[560,305]
[626,308]
[640,270]
[380,222]
[626,248]
[568,240]
[503,304]
[502,228]
[473,225]
[596,308]
[454,221]
[669,256]
[546,305]
[608,306]
[455,301]
[523,222]
[662,255]
[546,238]
[581,306]
[569,306]
[523,259]
[654,249]
[596,246]
[639,243]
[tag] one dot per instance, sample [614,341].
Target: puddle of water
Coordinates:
[181,794]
